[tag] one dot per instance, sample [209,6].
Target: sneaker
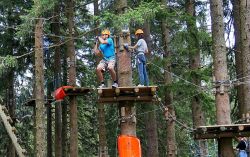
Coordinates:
[140,85]
[102,86]
[115,85]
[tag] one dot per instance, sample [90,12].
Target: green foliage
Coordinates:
[145,11]
[7,62]
[39,9]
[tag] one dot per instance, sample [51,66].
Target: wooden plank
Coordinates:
[11,134]
[133,93]
[75,91]
[32,102]
[220,135]
[126,98]
[218,131]
[226,125]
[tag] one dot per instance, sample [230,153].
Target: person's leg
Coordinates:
[140,69]
[99,71]
[145,74]
[111,68]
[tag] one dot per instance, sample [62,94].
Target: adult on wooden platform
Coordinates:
[107,51]
[141,49]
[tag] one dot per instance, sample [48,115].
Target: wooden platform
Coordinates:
[31,102]
[219,131]
[133,93]
[76,91]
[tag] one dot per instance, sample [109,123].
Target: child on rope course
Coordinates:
[141,49]
[107,51]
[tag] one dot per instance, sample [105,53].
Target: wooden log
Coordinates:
[117,91]
[221,135]
[153,90]
[100,91]
[241,127]
[12,136]
[223,128]
[136,90]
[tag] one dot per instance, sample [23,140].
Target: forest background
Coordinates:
[181,63]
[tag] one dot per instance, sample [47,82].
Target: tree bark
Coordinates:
[65,124]
[11,80]
[194,62]
[11,109]
[40,119]
[72,79]
[57,75]
[171,142]
[103,147]
[124,73]
[245,50]
[49,131]
[238,55]
[220,73]
[150,117]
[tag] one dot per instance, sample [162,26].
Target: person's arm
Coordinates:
[133,47]
[102,41]
[97,51]
[136,45]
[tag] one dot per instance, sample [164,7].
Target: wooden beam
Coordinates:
[130,93]
[221,135]
[126,98]
[11,134]
[219,131]
[75,91]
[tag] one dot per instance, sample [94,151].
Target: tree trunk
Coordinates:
[220,73]
[150,117]
[124,73]
[170,114]
[245,49]
[238,55]
[194,62]
[72,79]
[65,125]
[11,109]
[11,80]
[103,147]
[49,131]
[57,76]
[40,119]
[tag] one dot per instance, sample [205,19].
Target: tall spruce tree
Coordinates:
[221,76]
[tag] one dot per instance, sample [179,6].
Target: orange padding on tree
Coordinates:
[60,94]
[129,146]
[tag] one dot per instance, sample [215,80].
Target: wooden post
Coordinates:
[71,62]
[40,119]
[124,73]
[220,72]
[12,135]
[57,75]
